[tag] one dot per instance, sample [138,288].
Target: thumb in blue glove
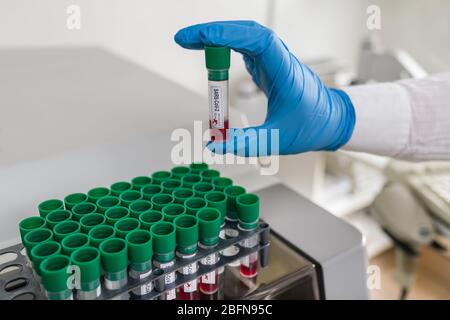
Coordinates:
[308,115]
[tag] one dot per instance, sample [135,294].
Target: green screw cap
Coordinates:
[82,209]
[57,216]
[171,211]
[198,167]
[232,192]
[159,176]
[248,210]
[91,220]
[190,179]
[72,199]
[159,201]
[125,226]
[35,237]
[217,58]
[181,194]
[150,190]
[114,255]
[107,202]
[63,229]
[96,193]
[49,205]
[140,249]
[54,272]
[209,226]
[201,188]
[139,182]
[119,187]
[218,200]
[127,197]
[88,260]
[194,204]
[164,241]
[73,242]
[186,233]
[100,233]
[114,214]
[42,251]
[30,224]
[170,185]
[149,218]
[220,183]
[179,172]
[209,175]
[138,207]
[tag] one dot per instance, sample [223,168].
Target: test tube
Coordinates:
[248,213]
[218,63]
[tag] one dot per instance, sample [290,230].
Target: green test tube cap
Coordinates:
[106,202]
[171,211]
[65,228]
[75,198]
[118,188]
[150,190]
[220,183]
[139,182]
[125,226]
[186,234]
[29,224]
[82,209]
[54,273]
[91,220]
[140,249]
[179,172]
[181,194]
[248,210]
[217,58]
[159,176]
[194,204]
[149,218]
[88,260]
[164,241]
[209,226]
[209,175]
[127,197]
[114,214]
[170,185]
[100,233]
[35,237]
[159,201]
[198,167]
[73,242]
[218,200]
[114,258]
[201,188]
[190,179]
[139,207]
[42,251]
[232,192]
[96,193]
[57,216]
[49,205]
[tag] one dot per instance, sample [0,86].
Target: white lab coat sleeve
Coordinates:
[408,119]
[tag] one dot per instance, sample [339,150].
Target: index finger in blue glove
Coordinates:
[247,37]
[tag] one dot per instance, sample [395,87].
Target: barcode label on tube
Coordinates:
[218,95]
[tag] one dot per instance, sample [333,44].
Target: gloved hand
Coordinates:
[309,115]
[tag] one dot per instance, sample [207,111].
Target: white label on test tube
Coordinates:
[250,243]
[210,277]
[190,286]
[218,103]
[168,279]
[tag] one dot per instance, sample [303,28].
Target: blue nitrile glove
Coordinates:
[309,115]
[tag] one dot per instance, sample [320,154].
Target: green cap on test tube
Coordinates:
[150,190]
[164,241]
[159,201]
[57,216]
[72,199]
[201,188]
[139,182]
[140,249]
[179,172]
[54,273]
[96,193]
[114,258]
[220,183]
[209,226]
[35,237]
[127,197]
[181,194]
[149,218]
[198,167]
[187,234]
[218,200]
[29,224]
[106,202]
[159,176]
[209,175]
[125,226]
[120,187]
[42,251]
[64,228]
[232,192]
[190,179]
[88,260]
[74,241]
[170,185]
[171,211]
[217,61]
[49,205]
[89,221]
[82,209]
[248,210]
[100,233]
[194,204]
[139,207]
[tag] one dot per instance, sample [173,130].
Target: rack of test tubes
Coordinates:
[166,236]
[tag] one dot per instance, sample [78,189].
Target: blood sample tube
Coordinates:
[218,63]
[247,205]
